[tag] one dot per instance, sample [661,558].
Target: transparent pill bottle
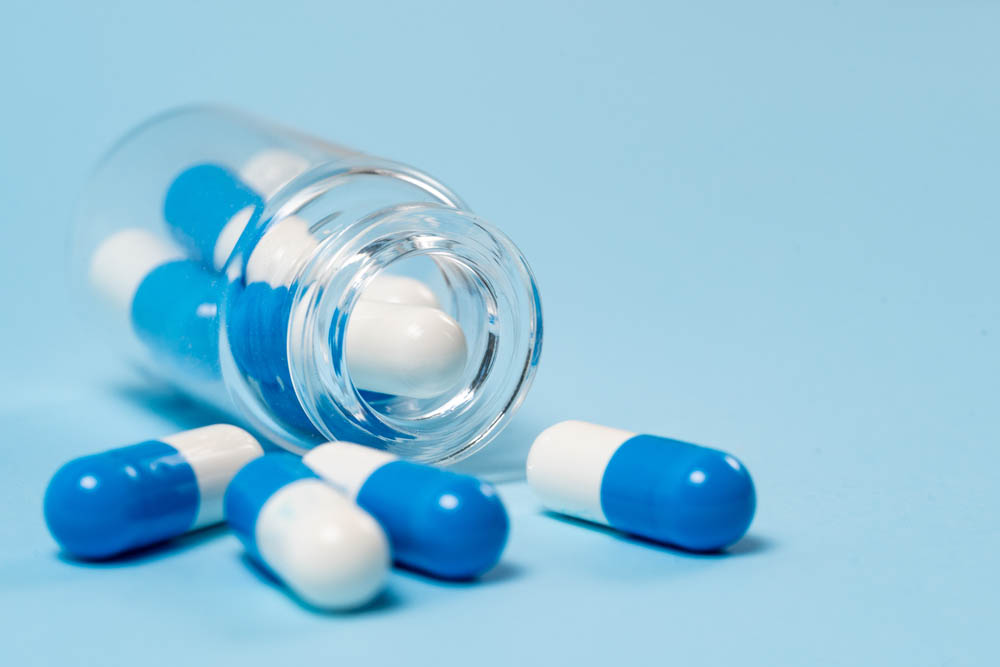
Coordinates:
[232,257]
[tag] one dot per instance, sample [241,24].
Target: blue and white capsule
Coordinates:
[661,489]
[327,550]
[171,302]
[106,504]
[441,523]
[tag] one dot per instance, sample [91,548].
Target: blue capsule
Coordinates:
[444,524]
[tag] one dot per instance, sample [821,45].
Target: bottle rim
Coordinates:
[481,266]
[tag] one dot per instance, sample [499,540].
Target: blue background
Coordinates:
[766,227]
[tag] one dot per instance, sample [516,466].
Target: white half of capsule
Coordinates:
[566,466]
[215,453]
[269,170]
[404,350]
[325,548]
[281,252]
[123,260]
[345,465]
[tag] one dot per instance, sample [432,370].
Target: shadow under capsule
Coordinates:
[385,600]
[149,553]
[184,411]
[747,545]
[170,403]
[500,573]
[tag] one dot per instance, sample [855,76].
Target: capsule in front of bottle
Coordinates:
[441,523]
[661,489]
[328,551]
[106,504]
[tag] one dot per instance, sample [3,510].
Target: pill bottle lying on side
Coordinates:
[316,292]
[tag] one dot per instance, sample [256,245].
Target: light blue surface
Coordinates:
[765,228]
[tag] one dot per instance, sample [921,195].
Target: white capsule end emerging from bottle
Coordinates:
[404,350]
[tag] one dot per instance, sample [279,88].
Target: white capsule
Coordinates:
[404,350]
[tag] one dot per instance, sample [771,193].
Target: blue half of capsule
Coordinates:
[449,525]
[441,523]
[102,505]
[676,492]
[199,203]
[175,313]
[105,504]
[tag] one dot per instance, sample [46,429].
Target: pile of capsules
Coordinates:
[329,524]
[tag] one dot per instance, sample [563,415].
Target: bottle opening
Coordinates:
[415,329]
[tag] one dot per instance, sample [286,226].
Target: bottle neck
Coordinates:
[373,219]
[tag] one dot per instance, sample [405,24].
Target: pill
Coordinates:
[171,302]
[327,550]
[404,350]
[661,489]
[105,504]
[442,523]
